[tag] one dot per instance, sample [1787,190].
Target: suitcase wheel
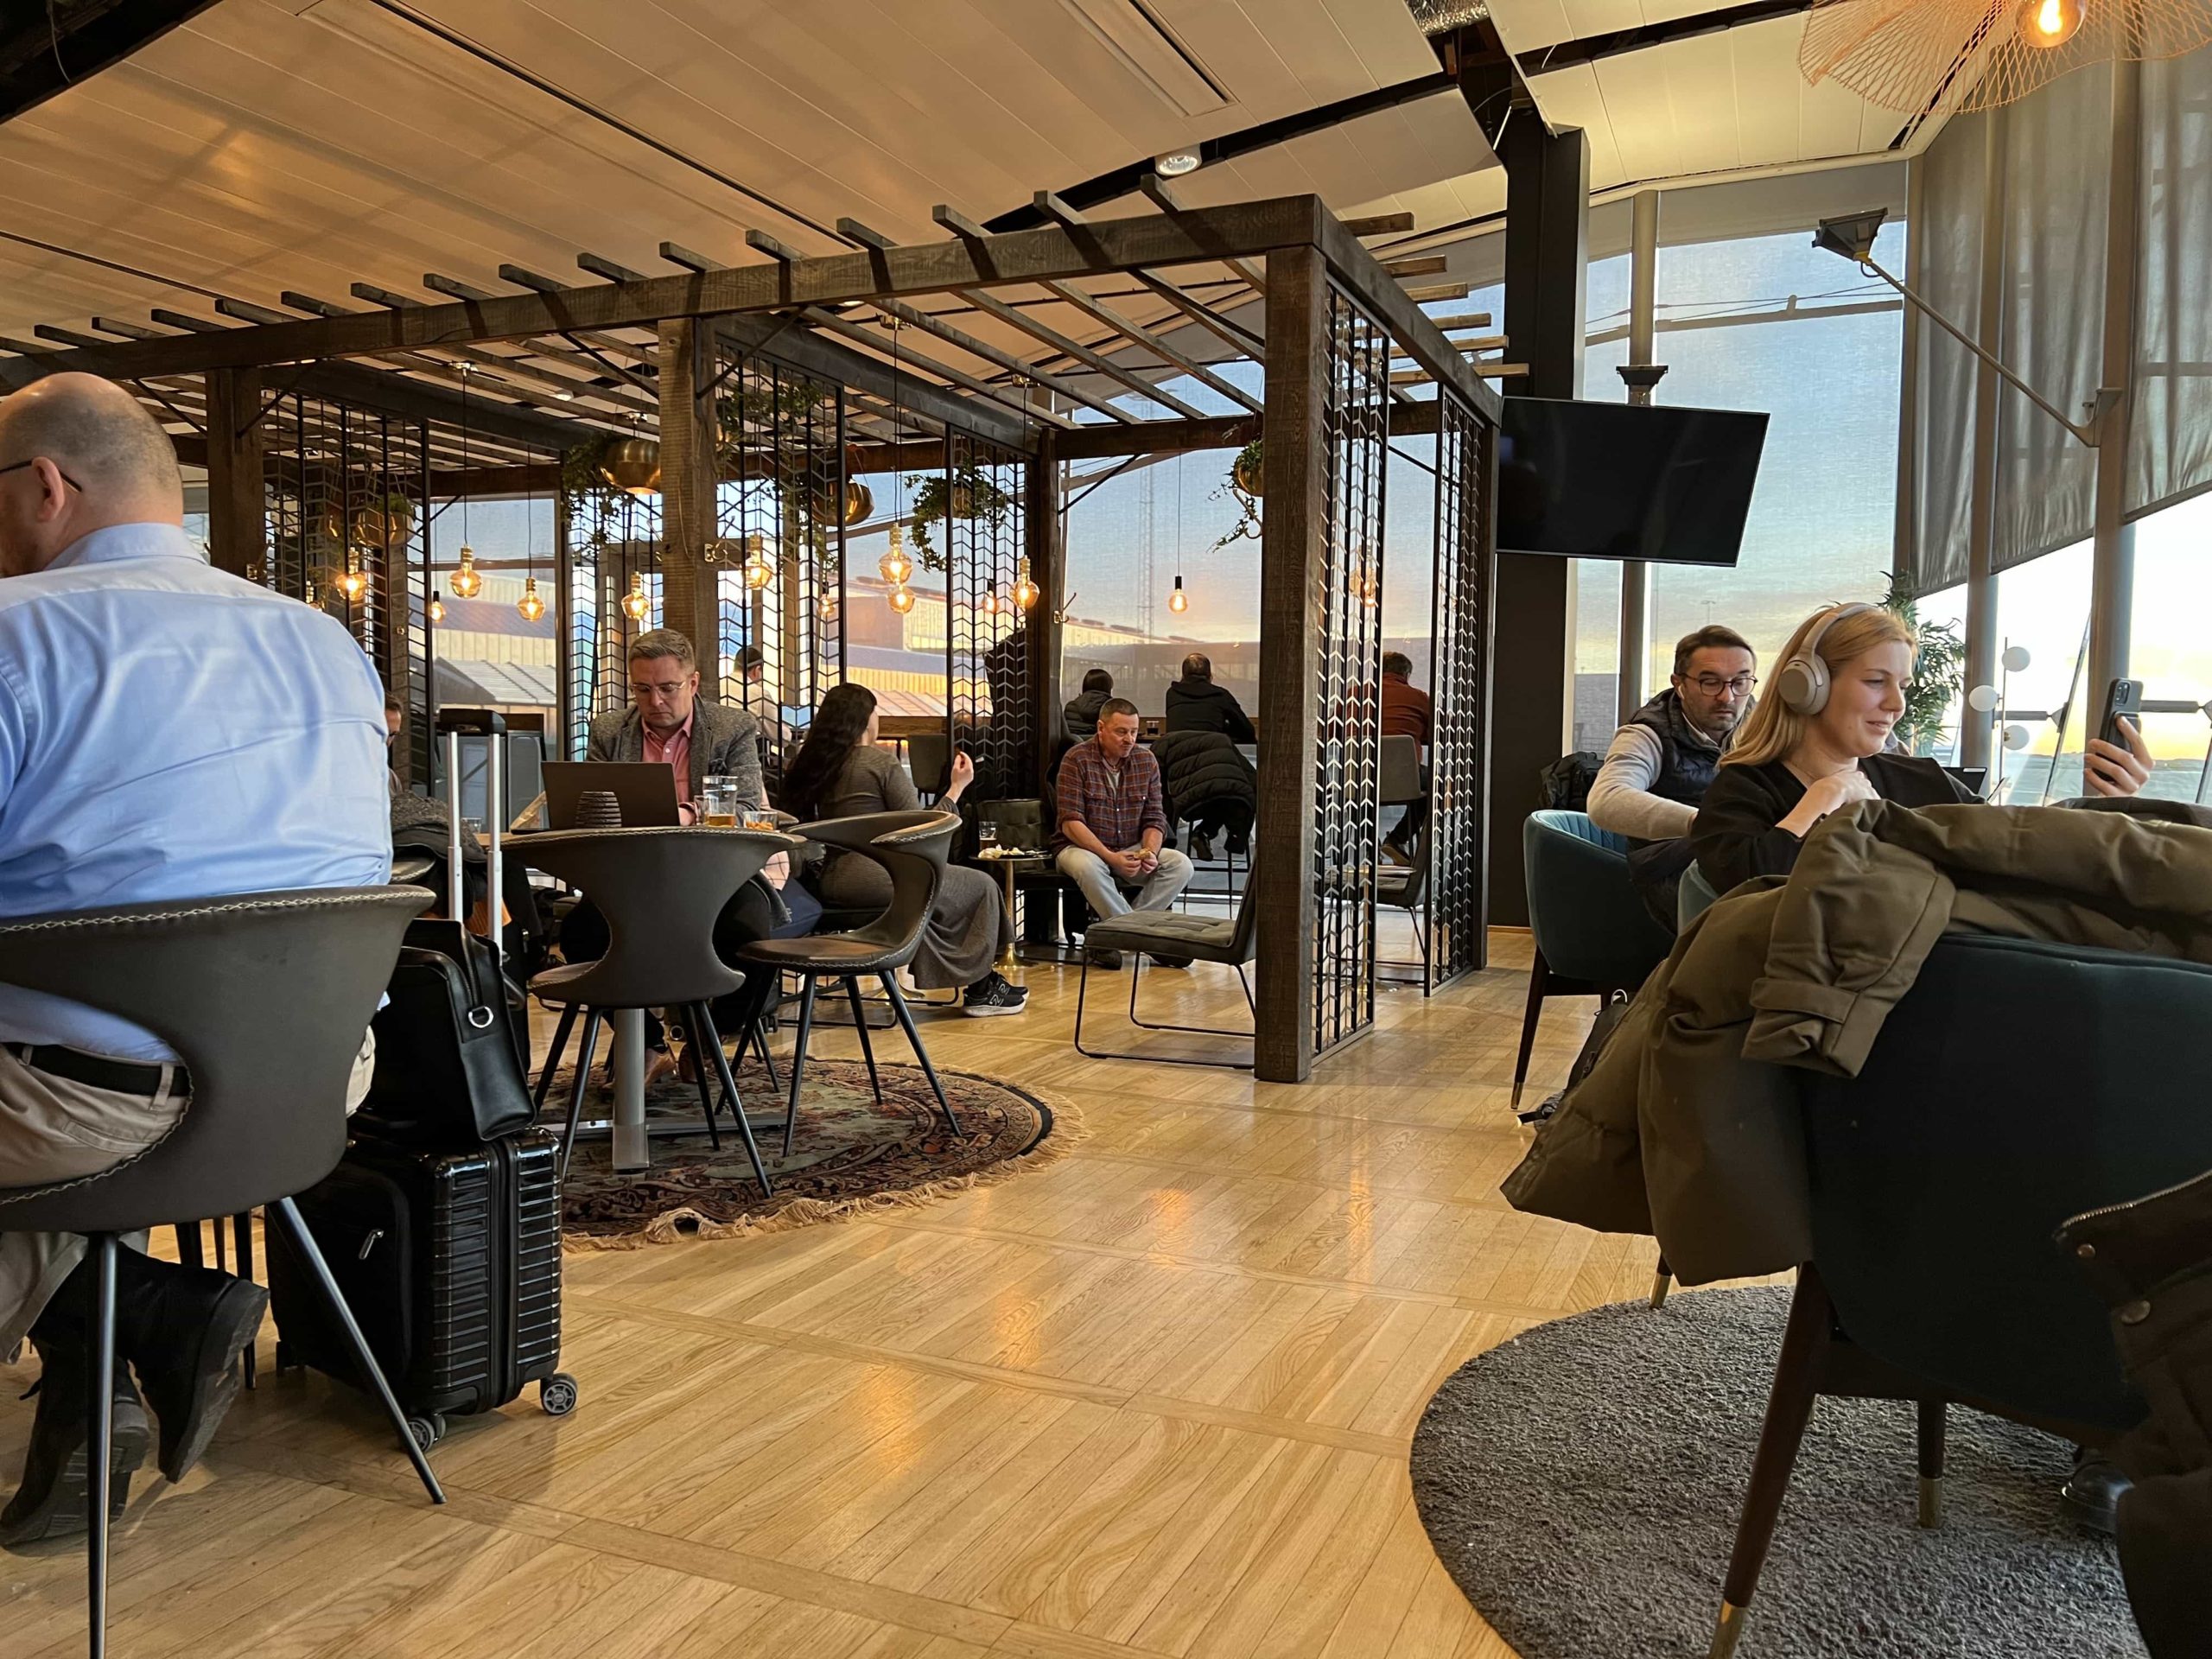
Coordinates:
[557,1395]
[428,1431]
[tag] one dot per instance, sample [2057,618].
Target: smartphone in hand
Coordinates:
[2123,700]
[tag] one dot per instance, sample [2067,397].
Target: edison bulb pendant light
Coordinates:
[902,598]
[759,573]
[2048,23]
[1179,601]
[354,582]
[465,583]
[637,603]
[894,566]
[1024,589]
[436,610]
[826,611]
[991,605]
[529,605]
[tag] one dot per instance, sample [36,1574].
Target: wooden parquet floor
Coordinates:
[1155,1399]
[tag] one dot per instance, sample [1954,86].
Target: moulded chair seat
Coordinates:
[264,997]
[912,848]
[1399,780]
[1594,934]
[2019,1083]
[660,891]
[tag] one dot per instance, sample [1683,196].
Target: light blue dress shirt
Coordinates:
[167,731]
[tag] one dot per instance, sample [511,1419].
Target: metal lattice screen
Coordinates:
[1347,793]
[1460,748]
[614,540]
[782,509]
[348,533]
[987,664]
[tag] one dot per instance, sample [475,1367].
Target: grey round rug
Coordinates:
[1582,1482]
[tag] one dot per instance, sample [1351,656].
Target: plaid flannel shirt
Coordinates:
[1118,813]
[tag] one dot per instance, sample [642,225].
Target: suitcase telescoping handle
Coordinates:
[492,727]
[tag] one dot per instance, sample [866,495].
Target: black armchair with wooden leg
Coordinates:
[911,847]
[1938,1178]
[265,997]
[661,891]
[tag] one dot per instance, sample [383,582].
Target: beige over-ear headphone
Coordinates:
[1802,682]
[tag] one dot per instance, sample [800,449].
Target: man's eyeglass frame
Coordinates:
[18,466]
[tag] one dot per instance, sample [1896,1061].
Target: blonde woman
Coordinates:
[1818,741]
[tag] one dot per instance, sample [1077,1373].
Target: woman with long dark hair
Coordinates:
[839,772]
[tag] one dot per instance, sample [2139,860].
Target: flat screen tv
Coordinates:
[1612,481]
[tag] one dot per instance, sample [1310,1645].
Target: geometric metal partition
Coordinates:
[1456,844]
[987,656]
[1347,784]
[346,492]
[782,495]
[612,537]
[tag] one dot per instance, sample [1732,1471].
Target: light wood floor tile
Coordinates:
[1153,1401]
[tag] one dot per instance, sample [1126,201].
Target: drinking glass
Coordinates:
[987,834]
[719,803]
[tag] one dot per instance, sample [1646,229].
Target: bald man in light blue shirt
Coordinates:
[167,732]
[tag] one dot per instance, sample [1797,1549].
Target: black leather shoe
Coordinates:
[183,1329]
[57,1471]
[2091,1494]
[1201,848]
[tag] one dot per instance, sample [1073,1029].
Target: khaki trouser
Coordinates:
[56,1129]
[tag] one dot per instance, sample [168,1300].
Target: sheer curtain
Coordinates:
[2169,442]
[1950,234]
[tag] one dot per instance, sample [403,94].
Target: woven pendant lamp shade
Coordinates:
[1944,57]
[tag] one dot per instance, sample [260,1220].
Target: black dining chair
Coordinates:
[264,997]
[911,847]
[1232,941]
[661,891]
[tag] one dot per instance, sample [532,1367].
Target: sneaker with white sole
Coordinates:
[992,994]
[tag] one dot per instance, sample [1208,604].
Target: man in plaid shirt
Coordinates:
[1113,824]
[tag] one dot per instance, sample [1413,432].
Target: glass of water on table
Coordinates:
[987,834]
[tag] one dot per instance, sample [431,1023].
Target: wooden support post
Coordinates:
[688,599]
[1291,555]
[238,502]
[1040,519]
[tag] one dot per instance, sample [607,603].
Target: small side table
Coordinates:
[1009,963]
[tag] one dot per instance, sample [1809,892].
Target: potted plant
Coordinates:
[967,493]
[1938,674]
[386,522]
[1247,474]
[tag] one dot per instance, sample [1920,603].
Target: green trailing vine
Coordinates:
[1242,485]
[586,498]
[1938,675]
[968,493]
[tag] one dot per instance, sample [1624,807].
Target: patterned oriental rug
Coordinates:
[851,1156]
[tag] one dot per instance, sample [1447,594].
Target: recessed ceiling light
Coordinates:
[1175,164]
[564,396]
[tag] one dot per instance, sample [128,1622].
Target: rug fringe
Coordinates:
[1068,1132]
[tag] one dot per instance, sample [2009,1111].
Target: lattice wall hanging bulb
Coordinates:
[759,573]
[437,608]
[637,603]
[1179,601]
[826,611]
[1947,57]
[902,600]
[353,583]
[465,583]
[529,606]
[894,566]
[992,605]
[309,598]
[1024,588]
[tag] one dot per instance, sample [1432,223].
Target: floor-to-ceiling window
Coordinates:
[2171,649]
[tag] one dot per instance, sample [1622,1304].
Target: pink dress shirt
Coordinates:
[675,748]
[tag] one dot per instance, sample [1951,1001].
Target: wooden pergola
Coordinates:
[485,393]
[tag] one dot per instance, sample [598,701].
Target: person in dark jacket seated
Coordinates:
[1816,745]
[1210,785]
[1195,703]
[1080,713]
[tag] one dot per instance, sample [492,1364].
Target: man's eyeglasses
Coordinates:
[666,688]
[18,466]
[1712,685]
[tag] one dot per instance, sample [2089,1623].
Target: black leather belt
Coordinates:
[97,1071]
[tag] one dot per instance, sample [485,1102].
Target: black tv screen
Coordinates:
[1612,481]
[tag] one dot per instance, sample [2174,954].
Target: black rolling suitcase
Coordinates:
[443,1221]
[451,1261]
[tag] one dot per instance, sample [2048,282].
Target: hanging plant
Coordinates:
[1243,486]
[1939,671]
[588,502]
[387,522]
[1246,474]
[968,493]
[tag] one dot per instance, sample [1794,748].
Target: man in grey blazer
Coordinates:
[668,720]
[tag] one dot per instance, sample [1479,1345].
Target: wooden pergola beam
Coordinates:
[1245,231]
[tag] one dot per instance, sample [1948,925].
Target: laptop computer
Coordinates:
[645,790]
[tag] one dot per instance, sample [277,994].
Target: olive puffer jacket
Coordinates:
[1687,1127]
